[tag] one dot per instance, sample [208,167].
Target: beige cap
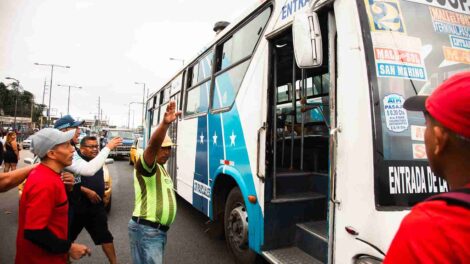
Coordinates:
[167,142]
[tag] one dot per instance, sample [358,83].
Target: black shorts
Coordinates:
[94,219]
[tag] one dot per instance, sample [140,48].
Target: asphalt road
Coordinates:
[187,241]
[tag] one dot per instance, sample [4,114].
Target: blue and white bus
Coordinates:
[293,139]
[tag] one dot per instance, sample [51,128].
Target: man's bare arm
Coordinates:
[12,179]
[158,136]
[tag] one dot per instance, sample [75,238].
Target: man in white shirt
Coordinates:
[80,166]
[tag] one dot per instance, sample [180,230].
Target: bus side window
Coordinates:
[233,58]
[197,99]
[199,80]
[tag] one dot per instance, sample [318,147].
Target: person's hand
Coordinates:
[113,143]
[68,179]
[92,195]
[78,251]
[171,114]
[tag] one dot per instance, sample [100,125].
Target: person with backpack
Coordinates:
[438,229]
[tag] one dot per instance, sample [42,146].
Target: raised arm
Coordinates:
[12,179]
[158,136]
[89,168]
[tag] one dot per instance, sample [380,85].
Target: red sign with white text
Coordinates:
[402,56]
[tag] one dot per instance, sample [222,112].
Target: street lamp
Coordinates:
[68,102]
[176,59]
[143,103]
[16,86]
[50,86]
[129,113]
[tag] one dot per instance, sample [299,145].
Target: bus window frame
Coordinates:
[380,163]
[177,89]
[375,108]
[184,73]
[218,49]
[190,86]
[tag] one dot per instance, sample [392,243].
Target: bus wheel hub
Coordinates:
[238,227]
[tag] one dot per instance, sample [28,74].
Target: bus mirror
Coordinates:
[307,40]
[29,161]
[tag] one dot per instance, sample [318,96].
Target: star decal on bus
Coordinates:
[232,139]
[201,137]
[215,138]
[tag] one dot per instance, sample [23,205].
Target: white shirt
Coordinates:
[88,168]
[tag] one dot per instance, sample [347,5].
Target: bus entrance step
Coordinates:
[289,255]
[298,197]
[312,238]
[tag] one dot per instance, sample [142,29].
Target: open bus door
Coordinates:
[298,213]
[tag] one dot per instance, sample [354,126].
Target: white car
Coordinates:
[26,144]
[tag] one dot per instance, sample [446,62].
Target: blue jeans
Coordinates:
[147,243]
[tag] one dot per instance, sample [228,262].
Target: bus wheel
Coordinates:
[236,228]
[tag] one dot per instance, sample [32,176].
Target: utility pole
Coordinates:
[50,86]
[44,90]
[42,102]
[99,111]
[68,100]
[143,103]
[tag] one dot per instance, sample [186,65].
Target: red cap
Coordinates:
[449,103]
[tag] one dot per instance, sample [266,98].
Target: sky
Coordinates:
[108,44]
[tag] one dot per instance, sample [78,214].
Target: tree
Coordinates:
[7,103]
[26,107]
[37,112]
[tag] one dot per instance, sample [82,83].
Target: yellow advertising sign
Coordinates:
[385,15]
[456,55]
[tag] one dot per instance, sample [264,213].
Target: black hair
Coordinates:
[86,138]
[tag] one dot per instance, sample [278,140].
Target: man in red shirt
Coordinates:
[438,231]
[43,213]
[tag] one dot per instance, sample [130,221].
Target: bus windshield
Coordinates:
[415,46]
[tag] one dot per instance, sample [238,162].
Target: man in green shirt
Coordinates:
[155,203]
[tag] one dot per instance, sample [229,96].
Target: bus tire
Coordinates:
[236,228]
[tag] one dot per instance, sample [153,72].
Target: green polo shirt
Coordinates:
[154,195]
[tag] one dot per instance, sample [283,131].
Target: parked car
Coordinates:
[26,144]
[137,149]
[108,191]
[127,141]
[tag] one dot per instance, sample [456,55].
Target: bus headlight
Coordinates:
[367,259]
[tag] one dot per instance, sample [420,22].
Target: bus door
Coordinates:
[300,120]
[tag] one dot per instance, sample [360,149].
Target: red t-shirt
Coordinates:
[42,204]
[433,232]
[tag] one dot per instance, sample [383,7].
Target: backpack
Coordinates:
[459,197]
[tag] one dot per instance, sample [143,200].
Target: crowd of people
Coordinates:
[51,216]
